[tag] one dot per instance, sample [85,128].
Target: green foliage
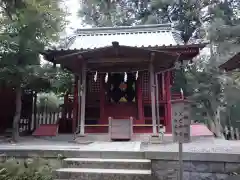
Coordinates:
[184,14]
[213,91]
[29,169]
[62,82]
[102,13]
[27,28]
[49,102]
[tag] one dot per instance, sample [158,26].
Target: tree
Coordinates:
[183,14]
[102,13]
[212,89]
[27,26]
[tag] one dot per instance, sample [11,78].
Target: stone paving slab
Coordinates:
[205,145]
[96,146]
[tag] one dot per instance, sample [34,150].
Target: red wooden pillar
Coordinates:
[34,120]
[65,113]
[75,105]
[163,95]
[102,100]
[168,106]
[140,101]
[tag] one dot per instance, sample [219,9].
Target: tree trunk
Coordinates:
[17,115]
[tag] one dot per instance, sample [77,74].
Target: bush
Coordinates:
[29,169]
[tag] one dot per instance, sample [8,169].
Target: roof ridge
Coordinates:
[137,28]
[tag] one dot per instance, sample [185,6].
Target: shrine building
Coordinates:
[123,72]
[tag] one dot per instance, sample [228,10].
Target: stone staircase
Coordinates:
[105,169]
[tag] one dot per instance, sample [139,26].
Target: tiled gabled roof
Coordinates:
[135,36]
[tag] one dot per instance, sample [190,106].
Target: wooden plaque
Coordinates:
[181,121]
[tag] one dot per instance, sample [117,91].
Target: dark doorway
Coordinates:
[121,88]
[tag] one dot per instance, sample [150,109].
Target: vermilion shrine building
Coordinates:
[123,72]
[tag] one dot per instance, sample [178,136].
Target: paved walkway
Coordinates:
[57,144]
[205,145]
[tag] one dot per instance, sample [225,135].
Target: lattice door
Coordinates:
[93,88]
[145,86]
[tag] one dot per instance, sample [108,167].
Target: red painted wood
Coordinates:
[163,98]
[139,103]
[168,107]
[96,129]
[75,104]
[120,110]
[146,129]
[46,130]
[102,101]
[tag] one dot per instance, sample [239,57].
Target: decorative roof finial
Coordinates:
[115,44]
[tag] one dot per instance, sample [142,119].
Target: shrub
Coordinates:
[29,169]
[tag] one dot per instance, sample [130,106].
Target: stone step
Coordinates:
[107,163]
[103,174]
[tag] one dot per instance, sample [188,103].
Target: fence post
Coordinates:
[226,132]
[232,133]
[237,133]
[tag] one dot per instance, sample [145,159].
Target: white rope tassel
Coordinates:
[106,78]
[181,91]
[125,77]
[95,76]
[136,75]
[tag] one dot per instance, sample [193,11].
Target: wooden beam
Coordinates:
[152,88]
[168,104]
[83,99]
[117,60]
[163,86]
[140,99]
[142,125]
[97,125]
[102,99]
[79,100]
[120,68]
[75,105]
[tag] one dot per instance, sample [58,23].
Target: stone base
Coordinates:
[84,176]
[156,139]
[99,163]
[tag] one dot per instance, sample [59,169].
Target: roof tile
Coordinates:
[135,36]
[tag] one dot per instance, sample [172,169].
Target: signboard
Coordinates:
[181,121]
